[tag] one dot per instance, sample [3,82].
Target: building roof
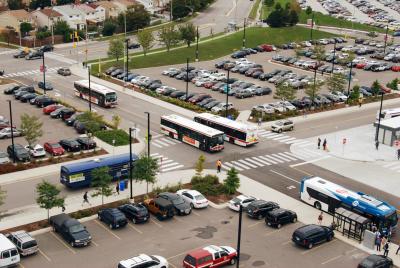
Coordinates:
[105,4]
[50,12]
[69,10]
[393,123]
[21,14]
[84,8]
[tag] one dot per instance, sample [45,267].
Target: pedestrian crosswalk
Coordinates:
[166,164]
[283,138]
[31,72]
[395,166]
[164,142]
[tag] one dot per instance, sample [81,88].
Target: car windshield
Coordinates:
[178,200]
[367,264]
[111,96]
[29,244]
[199,197]
[55,145]
[76,228]
[279,123]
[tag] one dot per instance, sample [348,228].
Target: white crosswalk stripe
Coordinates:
[288,156]
[235,163]
[164,142]
[247,163]
[254,162]
[166,164]
[257,159]
[30,72]
[228,166]
[280,138]
[268,160]
[274,158]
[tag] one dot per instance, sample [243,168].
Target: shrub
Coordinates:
[207,185]
[167,188]
[119,135]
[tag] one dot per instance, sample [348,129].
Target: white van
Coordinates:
[9,255]
[388,113]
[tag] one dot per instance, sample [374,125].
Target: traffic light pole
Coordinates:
[44,75]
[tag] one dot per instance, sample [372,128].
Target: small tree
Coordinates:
[336,82]
[187,33]
[285,92]
[355,93]
[48,196]
[116,120]
[25,27]
[312,89]
[31,128]
[269,3]
[146,40]
[109,28]
[93,122]
[169,36]
[232,181]
[308,10]
[293,18]
[146,170]
[393,84]
[376,87]
[116,48]
[101,181]
[200,165]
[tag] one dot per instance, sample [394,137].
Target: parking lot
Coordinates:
[261,246]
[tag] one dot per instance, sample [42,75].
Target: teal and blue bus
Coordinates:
[78,175]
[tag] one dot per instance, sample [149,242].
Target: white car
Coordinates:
[288,105]
[167,72]
[201,82]
[218,76]
[340,95]
[265,108]
[194,198]
[162,89]
[282,125]
[6,133]
[222,107]
[243,200]
[138,79]
[278,107]
[144,260]
[241,60]
[4,158]
[36,151]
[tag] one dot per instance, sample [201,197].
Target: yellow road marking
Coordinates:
[108,230]
[315,248]
[134,228]
[19,264]
[62,242]
[44,255]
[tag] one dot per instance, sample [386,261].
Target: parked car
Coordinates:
[19,152]
[70,145]
[64,71]
[53,148]
[309,235]
[133,45]
[70,121]
[376,261]
[212,104]
[265,108]
[222,107]
[280,216]
[160,207]
[112,217]
[51,108]
[194,198]
[110,70]
[27,97]
[210,256]
[144,261]
[46,48]
[259,208]
[282,125]
[62,111]
[177,94]
[71,230]
[198,98]
[4,158]
[6,133]
[36,150]
[137,213]
[180,205]
[25,243]
[11,90]
[21,54]
[43,101]
[117,72]
[86,143]
[243,200]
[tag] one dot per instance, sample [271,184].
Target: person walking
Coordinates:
[376,144]
[378,241]
[359,102]
[85,198]
[324,144]
[398,154]
[63,208]
[319,143]
[117,188]
[219,164]
[384,241]
[386,249]
[320,218]
[259,121]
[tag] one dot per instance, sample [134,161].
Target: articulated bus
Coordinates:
[193,133]
[235,132]
[328,196]
[99,94]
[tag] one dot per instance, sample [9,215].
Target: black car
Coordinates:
[47,85]
[309,235]
[20,153]
[110,70]
[208,106]
[205,102]
[154,86]
[63,111]
[376,261]
[220,64]
[19,93]
[70,121]
[46,48]
[137,213]
[259,208]
[112,217]
[34,55]
[263,91]
[20,54]
[27,97]
[177,94]
[70,145]
[180,205]
[116,72]
[280,216]
[133,45]
[44,101]
[184,97]
[11,90]
[86,143]
[66,113]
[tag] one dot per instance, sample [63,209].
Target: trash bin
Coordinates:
[122,186]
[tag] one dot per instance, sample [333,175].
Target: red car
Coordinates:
[51,108]
[361,65]
[209,84]
[385,89]
[53,148]
[210,256]
[268,48]
[396,68]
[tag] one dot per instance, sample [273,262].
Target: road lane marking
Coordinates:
[311,161]
[20,265]
[63,243]
[134,228]
[287,242]
[233,8]
[173,266]
[195,213]
[331,259]
[108,230]
[273,171]
[156,223]
[44,255]
[94,243]
[320,246]
[305,172]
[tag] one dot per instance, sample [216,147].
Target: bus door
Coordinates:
[333,204]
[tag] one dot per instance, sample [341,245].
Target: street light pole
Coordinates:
[227,94]
[387,30]
[244,33]
[148,134]
[12,130]
[130,162]
[127,59]
[44,75]
[348,87]
[197,44]
[312,26]
[90,91]
[187,76]
[334,56]
[379,123]
[239,235]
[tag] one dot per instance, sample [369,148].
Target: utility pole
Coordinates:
[12,129]
[244,33]
[44,75]
[148,134]
[197,44]
[187,76]
[334,56]
[227,94]
[379,122]
[90,91]
[170,11]
[387,30]
[127,59]
[239,235]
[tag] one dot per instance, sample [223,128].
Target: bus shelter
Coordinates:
[350,224]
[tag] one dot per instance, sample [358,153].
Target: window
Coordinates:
[223,254]
[216,255]
[5,254]
[14,252]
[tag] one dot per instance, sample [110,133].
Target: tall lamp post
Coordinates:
[187,77]
[44,74]
[12,129]
[130,161]
[379,123]
[239,235]
[227,94]
[148,134]
[244,33]
[90,91]
[334,56]
[387,30]
[197,44]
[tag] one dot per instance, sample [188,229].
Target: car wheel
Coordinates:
[310,246]
[279,226]
[280,131]
[133,220]
[317,205]
[291,128]
[294,220]
[329,238]
[190,211]
[268,223]
[233,261]
[259,217]
[191,205]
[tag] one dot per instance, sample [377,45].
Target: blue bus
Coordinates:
[79,174]
[327,196]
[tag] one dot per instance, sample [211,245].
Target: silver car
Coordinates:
[6,133]
[282,125]
[4,158]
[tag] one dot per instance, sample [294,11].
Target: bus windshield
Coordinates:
[111,96]
[392,219]
[217,140]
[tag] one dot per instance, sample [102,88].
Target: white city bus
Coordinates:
[388,113]
[235,132]
[99,94]
[190,132]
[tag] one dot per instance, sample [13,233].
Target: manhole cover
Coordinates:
[258,263]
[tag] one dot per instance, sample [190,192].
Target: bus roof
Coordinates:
[95,87]
[192,125]
[99,162]
[391,111]
[227,122]
[358,200]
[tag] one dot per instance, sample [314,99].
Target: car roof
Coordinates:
[198,253]
[279,211]
[135,260]
[260,202]
[191,192]
[307,228]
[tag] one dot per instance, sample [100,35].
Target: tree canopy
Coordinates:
[31,128]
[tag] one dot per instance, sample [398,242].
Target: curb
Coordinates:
[217,206]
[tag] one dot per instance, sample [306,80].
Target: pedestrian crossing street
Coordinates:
[166,164]
[393,166]
[164,141]
[32,72]
[279,137]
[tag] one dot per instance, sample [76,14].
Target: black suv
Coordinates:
[44,101]
[376,261]
[280,216]
[21,154]
[86,143]
[11,90]
[137,213]
[311,234]
[70,145]
[112,217]
[259,208]
[180,205]
[46,48]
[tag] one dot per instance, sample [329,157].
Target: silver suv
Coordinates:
[24,242]
[282,125]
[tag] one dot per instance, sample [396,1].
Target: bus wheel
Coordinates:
[171,135]
[317,205]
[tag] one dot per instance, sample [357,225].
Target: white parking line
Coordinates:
[156,223]
[108,230]
[134,228]
[320,246]
[331,259]
[62,242]
[44,255]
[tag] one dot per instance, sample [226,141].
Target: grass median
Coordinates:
[219,47]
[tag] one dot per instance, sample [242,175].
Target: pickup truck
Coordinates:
[71,230]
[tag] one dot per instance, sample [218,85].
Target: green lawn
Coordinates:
[254,9]
[222,46]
